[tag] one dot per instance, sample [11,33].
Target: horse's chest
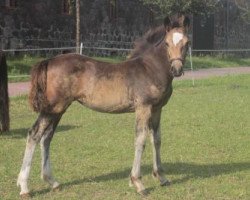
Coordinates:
[164,96]
[157,96]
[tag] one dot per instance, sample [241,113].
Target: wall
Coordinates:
[231,32]
[35,24]
[99,29]
[40,23]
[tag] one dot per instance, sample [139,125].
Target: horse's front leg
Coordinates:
[46,173]
[143,115]
[156,143]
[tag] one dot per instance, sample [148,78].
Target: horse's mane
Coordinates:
[149,39]
[154,36]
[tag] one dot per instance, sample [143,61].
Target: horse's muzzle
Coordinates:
[177,73]
[177,67]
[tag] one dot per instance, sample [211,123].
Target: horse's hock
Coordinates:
[4,97]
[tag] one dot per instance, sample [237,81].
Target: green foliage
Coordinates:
[169,7]
[205,148]
[244,6]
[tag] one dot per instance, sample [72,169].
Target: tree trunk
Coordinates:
[4,97]
[78,26]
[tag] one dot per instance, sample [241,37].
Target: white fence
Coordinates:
[82,48]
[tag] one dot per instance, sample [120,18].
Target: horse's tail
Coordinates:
[37,96]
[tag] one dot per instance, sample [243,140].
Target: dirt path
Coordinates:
[16,89]
[205,73]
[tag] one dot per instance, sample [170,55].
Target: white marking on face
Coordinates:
[177,37]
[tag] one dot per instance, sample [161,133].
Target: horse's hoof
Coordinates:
[166,183]
[143,193]
[57,188]
[162,179]
[25,196]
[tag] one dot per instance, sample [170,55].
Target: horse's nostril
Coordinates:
[176,72]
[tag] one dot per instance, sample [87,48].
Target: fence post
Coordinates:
[81,48]
[4,97]
[191,63]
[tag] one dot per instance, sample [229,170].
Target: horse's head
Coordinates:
[177,42]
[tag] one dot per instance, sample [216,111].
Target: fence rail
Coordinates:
[117,49]
[38,49]
[220,50]
[83,49]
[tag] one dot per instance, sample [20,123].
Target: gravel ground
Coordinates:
[16,89]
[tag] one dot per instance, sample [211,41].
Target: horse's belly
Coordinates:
[109,104]
[108,97]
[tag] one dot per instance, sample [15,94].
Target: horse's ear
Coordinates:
[167,23]
[186,23]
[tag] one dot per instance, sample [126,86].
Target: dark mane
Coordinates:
[156,35]
[152,37]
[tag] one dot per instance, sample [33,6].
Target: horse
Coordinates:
[141,84]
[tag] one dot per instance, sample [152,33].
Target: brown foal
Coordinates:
[141,84]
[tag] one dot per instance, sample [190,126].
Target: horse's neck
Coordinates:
[159,58]
[158,62]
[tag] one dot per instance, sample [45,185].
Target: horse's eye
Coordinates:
[166,44]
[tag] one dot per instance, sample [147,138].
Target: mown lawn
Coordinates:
[20,66]
[204,62]
[205,147]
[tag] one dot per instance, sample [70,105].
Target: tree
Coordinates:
[169,7]
[244,6]
[78,27]
[4,97]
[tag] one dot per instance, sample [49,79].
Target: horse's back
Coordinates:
[102,86]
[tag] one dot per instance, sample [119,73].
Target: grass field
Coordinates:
[205,148]
[22,65]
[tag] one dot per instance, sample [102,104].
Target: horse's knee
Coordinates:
[140,141]
[155,139]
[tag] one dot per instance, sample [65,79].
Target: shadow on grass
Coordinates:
[189,170]
[22,132]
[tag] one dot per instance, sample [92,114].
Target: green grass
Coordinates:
[205,147]
[22,65]
[203,62]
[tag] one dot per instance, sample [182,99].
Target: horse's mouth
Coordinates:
[175,74]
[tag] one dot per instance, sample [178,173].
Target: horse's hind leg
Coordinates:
[34,136]
[46,173]
[156,143]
